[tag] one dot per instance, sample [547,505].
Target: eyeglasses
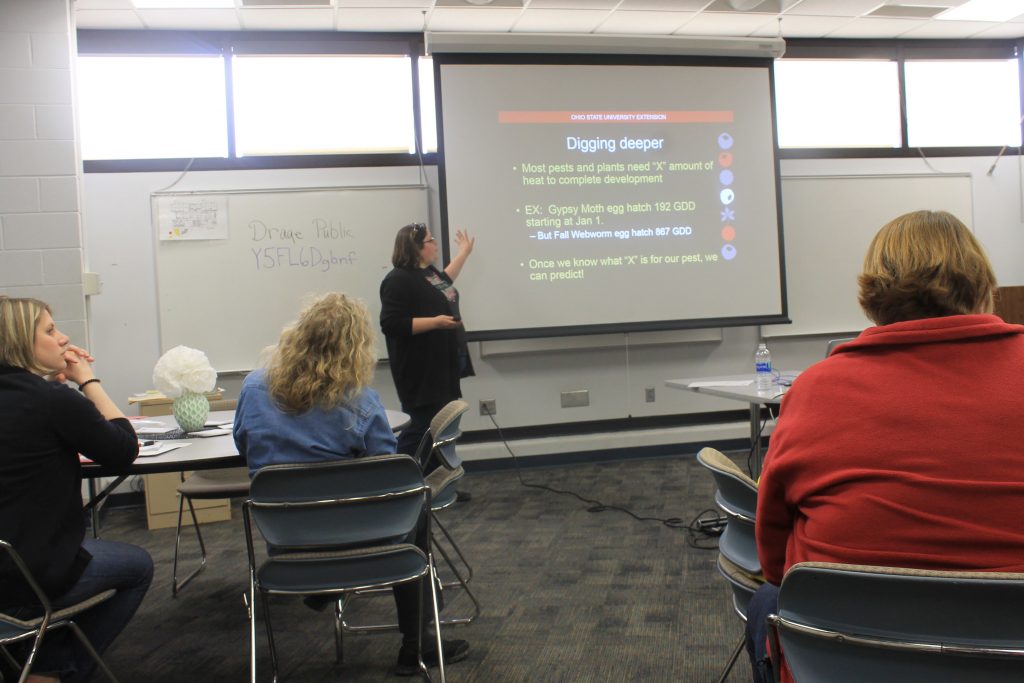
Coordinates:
[430,239]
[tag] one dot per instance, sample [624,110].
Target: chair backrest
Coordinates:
[444,431]
[737,498]
[900,624]
[833,343]
[354,502]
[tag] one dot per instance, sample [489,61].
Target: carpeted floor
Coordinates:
[568,594]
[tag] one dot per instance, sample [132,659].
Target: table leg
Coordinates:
[93,506]
[755,438]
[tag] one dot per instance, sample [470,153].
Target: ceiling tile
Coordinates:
[872,27]
[644,23]
[560,21]
[802,27]
[722,24]
[108,19]
[666,5]
[103,4]
[287,19]
[363,19]
[473,19]
[573,4]
[1000,31]
[948,29]
[846,8]
[203,19]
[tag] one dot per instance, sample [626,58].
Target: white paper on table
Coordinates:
[720,383]
[162,429]
[160,447]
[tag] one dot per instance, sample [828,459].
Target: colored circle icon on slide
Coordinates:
[728,233]
[728,252]
[725,159]
[725,141]
[727,196]
[725,177]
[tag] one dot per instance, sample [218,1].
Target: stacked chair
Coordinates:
[736,497]
[443,468]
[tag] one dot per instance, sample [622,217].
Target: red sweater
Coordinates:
[904,448]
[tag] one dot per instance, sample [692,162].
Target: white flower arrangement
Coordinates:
[184,369]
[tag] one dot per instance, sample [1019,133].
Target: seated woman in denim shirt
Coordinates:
[313,403]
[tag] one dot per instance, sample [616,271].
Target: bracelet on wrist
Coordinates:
[81,387]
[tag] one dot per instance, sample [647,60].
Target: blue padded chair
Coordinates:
[336,528]
[436,455]
[736,496]
[14,630]
[845,623]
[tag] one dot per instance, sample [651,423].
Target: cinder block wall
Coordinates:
[40,171]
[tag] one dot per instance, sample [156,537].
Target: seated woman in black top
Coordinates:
[44,425]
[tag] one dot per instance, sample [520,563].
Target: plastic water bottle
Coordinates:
[763,367]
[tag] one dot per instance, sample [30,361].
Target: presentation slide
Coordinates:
[612,197]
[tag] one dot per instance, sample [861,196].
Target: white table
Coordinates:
[747,393]
[210,453]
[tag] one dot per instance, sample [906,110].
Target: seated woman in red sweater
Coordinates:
[903,447]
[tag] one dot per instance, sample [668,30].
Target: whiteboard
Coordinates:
[230,297]
[828,223]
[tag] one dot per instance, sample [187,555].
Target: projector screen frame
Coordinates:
[441,59]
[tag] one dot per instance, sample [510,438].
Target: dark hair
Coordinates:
[408,243]
[925,264]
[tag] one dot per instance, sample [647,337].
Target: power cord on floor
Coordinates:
[694,532]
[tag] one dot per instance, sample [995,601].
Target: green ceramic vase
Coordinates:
[190,411]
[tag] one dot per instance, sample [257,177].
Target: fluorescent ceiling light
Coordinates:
[985,10]
[184,4]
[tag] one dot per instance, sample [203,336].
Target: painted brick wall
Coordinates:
[40,173]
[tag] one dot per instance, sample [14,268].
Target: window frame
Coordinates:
[224,43]
[902,51]
[227,43]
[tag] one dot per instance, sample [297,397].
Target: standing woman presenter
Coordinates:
[421,322]
[44,425]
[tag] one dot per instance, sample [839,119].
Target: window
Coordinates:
[837,103]
[322,104]
[152,107]
[963,103]
[428,108]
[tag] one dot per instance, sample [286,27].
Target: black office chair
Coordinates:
[840,623]
[14,630]
[337,528]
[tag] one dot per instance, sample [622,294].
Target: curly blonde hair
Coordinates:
[326,358]
[925,264]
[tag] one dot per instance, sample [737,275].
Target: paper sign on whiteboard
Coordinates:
[192,217]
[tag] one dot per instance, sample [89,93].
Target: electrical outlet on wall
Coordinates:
[488,406]
[649,394]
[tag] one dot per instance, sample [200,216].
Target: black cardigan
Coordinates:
[43,427]
[425,366]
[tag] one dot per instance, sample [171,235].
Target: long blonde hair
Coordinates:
[18,320]
[326,358]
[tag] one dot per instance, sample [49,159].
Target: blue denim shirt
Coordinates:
[266,435]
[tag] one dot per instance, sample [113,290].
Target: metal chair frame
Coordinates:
[257,511]
[13,630]
[437,442]
[235,485]
[906,624]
